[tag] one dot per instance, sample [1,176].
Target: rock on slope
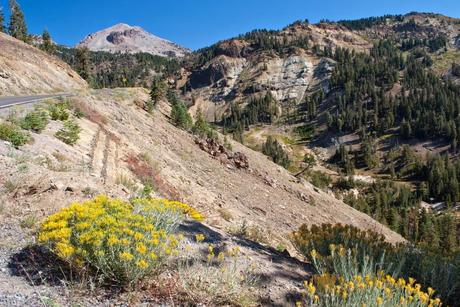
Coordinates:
[27,70]
[128,39]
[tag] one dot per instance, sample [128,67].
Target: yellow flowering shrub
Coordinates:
[320,238]
[348,251]
[381,290]
[121,241]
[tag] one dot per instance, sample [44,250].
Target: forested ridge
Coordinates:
[390,92]
[109,70]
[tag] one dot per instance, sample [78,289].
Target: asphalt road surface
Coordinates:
[6,102]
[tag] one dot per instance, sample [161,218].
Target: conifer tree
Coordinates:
[202,127]
[158,90]
[82,64]
[273,149]
[17,27]
[179,115]
[47,43]
[2,21]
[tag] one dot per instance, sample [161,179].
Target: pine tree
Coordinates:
[428,233]
[2,21]
[17,27]
[47,43]
[202,127]
[180,116]
[349,166]
[406,130]
[273,149]
[158,90]
[82,64]
[447,233]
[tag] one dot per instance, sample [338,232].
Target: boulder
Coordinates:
[218,151]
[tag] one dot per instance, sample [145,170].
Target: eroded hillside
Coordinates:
[297,61]
[25,70]
[280,62]
[120,144]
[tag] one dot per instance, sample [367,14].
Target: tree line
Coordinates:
[109,70]
[399,208]
[425,106]
[17,28]
[258,109]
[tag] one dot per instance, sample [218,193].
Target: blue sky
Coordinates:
[198,23]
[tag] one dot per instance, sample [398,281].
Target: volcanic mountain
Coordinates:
[128,39]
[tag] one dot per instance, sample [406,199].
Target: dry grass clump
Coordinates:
[250,232]
[85,110]
[223,278]
[127,182]
[225,214]
[148,172]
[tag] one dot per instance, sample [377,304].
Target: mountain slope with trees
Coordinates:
[354,91]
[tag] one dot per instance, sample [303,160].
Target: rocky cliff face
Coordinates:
[286,63]
[241,68]
[127,39]
[26,70]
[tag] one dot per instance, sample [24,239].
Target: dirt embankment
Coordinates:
[120,144]
[26,70]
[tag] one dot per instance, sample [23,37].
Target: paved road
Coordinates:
[6,102]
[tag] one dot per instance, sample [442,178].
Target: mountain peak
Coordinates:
[120,26]
[125,38]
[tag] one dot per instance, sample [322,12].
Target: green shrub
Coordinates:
[202,127]
[70,133]
[433,268]
[78,113]
[456,69]
[58,111]
[273,149]
[347,183]
[350,262]
[35,121]
[180,116]
[11,133]
[319,179]
[118,241]
[306,131]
